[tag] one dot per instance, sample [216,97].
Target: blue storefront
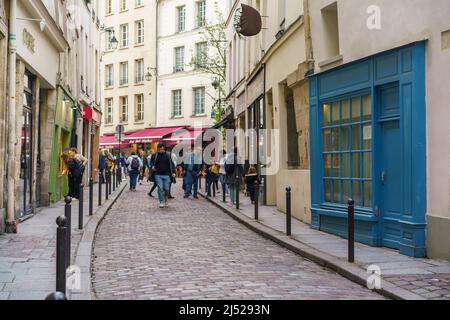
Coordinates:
[368,143]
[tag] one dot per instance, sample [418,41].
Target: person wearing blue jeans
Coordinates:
[134,164]
[162,165]
[193,168]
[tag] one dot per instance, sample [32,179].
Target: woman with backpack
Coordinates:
[74,169]
[135,165]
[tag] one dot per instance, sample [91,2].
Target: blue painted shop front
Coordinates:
[368,143]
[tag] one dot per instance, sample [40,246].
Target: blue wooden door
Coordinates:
[390,165]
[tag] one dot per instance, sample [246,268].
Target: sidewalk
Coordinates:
[402,277]
[27,259]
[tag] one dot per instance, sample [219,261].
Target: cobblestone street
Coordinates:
[193,250]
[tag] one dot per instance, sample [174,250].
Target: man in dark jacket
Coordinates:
[102,166]
[234,173]
[164,170]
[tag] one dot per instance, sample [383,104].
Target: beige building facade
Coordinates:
[268,90]
[128,72]
[407,46]
[3,115]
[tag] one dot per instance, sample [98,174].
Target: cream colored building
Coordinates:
[185,94]
[128,93]
[396,54]
[3,115]
[267,89]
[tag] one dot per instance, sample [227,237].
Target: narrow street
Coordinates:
[193,250]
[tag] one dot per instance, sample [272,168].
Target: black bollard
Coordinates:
[81,208]
[106,185]
[200,182]
[114,179]
[109,182]
[68,215]
[256,200]
[224,195]
[288,211]
[351,230]
[91,196]
[237,187]
[56,296]
[61,236]
[100,181]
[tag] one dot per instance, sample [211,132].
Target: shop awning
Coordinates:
[150,135]
[110,142]
[187,136]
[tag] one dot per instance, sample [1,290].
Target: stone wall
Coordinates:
[3,114]
[20,71]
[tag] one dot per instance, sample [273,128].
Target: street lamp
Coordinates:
[148,75]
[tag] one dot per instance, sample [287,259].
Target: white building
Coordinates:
[185,94]
[128,95]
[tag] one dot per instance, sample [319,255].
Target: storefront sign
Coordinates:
[28,40]
[96,116]
[240,104]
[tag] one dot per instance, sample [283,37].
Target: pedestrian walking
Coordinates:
[74,169]
[250,179]
[134,164]
[222,172]
[102,166]
[123,164]
[164,171]
[193,170]
[143,170]
[151,173]
[234,171]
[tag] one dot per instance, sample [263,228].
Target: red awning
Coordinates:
[110,142]
[150,135]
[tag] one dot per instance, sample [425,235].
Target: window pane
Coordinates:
[367,165]
[345,137]
[327,187]
[346,165]
[345,111]
[367,137]
[368,194]
[356,137]
[367,108]
[335,139]
[356,189]
[327,165]
[346,191]
[356,109]
[336,191]
[356,165]
[336,113]
[326,115]
[336,165]
[326,140]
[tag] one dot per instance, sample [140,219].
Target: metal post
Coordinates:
[256,200]
[100,180]
[109,183]
[200,182]
[224,189]
[114,179]
[106,185]
[81,208]
[91,196]
[61,235]
[237,187]
[68,215]
[351,230]
[288,211]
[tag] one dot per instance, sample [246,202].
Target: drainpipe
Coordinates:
[157,67]
[308,36]
[11,114]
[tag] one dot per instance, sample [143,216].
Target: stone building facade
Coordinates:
[3,87]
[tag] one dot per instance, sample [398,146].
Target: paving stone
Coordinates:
[192,250]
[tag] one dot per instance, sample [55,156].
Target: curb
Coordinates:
[83,253]
[343,268]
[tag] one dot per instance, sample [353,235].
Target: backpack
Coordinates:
[229,168]
[135,165]
[77,168]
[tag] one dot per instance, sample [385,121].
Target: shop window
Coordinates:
[292,133]
[347,150]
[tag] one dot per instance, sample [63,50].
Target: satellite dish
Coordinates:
[248,21]
[42,25]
